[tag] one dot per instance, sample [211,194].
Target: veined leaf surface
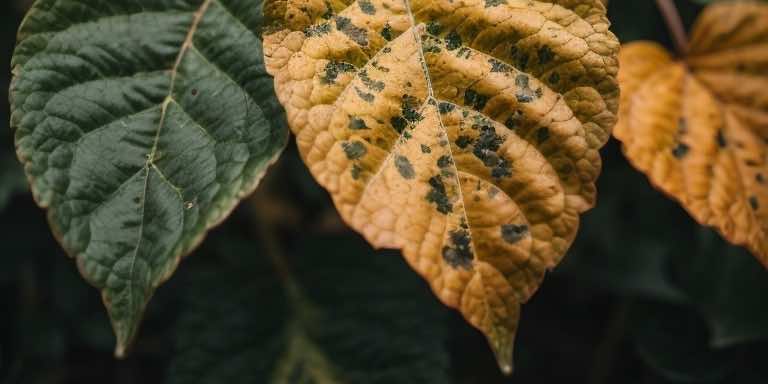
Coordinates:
[141,124]
[465,133]
[698,126]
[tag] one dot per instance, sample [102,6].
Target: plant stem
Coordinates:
[675,25]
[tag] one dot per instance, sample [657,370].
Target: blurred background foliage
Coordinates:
[284,292]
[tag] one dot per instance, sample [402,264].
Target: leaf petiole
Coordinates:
[675,25]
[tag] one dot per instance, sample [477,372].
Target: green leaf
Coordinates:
[141,123]
[342,314]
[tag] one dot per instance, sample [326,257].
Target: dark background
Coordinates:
[644,296]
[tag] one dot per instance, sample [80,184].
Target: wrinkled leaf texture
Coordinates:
[141,124]
[465,133]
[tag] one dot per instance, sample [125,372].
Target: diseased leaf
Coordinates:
[464,133]
[698,126]
[141,124]
[243,325]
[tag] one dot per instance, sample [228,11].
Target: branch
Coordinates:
[675,25]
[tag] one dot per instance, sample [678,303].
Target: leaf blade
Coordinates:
[694,126]
[418,117]
[142,135]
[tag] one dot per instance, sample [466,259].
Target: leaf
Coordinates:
[696,126]
[243,325]
[464,133]
[141,124]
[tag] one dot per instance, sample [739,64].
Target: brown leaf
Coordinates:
[698,126]
[464,133]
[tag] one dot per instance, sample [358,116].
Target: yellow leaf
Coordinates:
[698,126]
[465,133]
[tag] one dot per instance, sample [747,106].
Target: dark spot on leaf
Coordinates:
[754,203]
[364,95]
[433,28]
[520,58]
[554,78]
[425,149]
[430,44]
[514,120]
[374,85]
[524,93]
[459,253]
[721,139]
[386,32]
[357,123]
[333,69]
[367,7]
[409,105]
[356,170]
[358,35]
[498,66]
[512,233]
[542,135]
[681,150]
[194,91]
[317,30]
[485,148]
[398,123]
[444,161]
[463,141]
[354,149]
[387,50]
[760,178]
[545,55]
[405,167]
[437,195]
[474,99]
[445,107]
[493,3]
[501,169]
[453,40]
[464,52]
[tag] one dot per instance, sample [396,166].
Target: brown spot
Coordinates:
[459,253]
[512,233]
[405,167]
[754,203]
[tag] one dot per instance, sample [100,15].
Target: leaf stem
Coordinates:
[675,25]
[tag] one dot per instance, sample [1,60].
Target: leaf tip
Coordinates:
[120,351]
[503,349]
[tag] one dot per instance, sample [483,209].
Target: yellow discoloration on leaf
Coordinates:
[698,127]
[465,133]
